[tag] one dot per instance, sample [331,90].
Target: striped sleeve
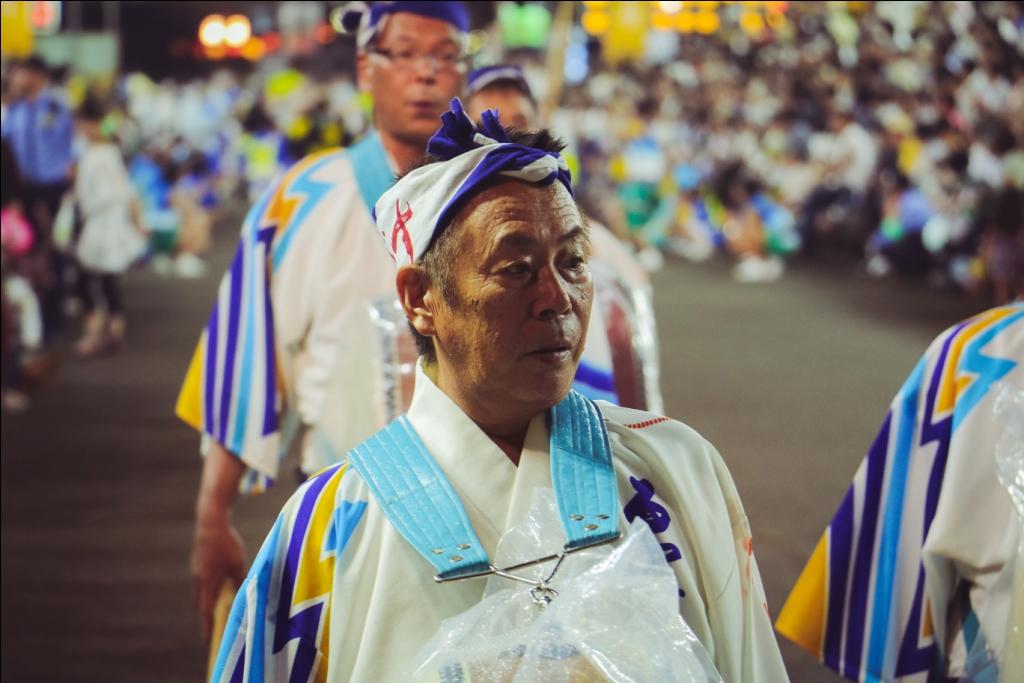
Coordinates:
[863,604]
[279,624]
[230,392]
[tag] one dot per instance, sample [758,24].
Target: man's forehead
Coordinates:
[406,27]
[509,100]
[512,207]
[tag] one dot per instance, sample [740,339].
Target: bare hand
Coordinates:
[218,555]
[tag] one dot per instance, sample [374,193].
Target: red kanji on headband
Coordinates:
[401,227]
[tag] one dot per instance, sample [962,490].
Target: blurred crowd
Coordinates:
[892,138]
[895,136]
[100,177]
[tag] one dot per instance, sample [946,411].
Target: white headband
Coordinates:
[424,201]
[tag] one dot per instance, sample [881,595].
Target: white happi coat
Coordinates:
[337,594]
[309,252]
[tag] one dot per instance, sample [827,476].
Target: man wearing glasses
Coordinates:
[309,250]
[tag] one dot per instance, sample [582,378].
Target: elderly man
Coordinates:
[308,253]
[493,276]
[623,288]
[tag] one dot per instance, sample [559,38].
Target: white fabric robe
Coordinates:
[336,594]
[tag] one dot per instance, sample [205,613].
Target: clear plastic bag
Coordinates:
[613,615]
[984,661]
[1010,466]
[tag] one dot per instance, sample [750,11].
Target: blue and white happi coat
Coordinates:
[337,595]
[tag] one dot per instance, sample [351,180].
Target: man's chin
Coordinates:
[419,132]
[547,389]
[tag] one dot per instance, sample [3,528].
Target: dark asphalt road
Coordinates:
[789,381]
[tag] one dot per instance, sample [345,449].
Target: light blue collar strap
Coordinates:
[418,500]
[582,473]
[373,172]
[421,504]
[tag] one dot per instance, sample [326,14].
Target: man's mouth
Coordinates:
[425,107]
[555,354]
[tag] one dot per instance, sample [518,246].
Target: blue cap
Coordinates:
[364,20]
[479,79]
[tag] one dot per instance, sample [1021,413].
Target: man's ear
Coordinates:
[416,297]
[363,71]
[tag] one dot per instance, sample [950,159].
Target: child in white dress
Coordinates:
[112,237]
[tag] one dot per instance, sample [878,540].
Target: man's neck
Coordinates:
[402,153]
[507,429]
[511,446]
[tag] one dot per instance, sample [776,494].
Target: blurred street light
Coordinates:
[237,30]
[212,30]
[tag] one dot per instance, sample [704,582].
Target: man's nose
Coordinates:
[425,68]
[552,295]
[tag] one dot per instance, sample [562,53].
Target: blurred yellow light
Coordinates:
[670,7]
[776,20]
[706,5]
[686,22]
[237,30]
[662,22]
[706,22]
[475,42]
[595,23]
[212,30]
[752,22]
[254,49]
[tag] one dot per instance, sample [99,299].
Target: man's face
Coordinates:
[514,330]
[405,70]
[515,108]
[22,81]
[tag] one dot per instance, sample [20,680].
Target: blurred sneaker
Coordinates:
[757,269]
[697,251]
[116,328]
[162,265]
[72,307]
[38,367]
[93,337]
[189,266]
[15,401]
[878,266]
[651,259]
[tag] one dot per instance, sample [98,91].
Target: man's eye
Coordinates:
[449,57]
[405,56]
[516,269]
[575,263]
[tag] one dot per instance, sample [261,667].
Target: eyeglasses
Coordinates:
[447,60]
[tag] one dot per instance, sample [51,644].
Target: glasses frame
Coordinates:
[436,62]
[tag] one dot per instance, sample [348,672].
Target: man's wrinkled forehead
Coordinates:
[512,213]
